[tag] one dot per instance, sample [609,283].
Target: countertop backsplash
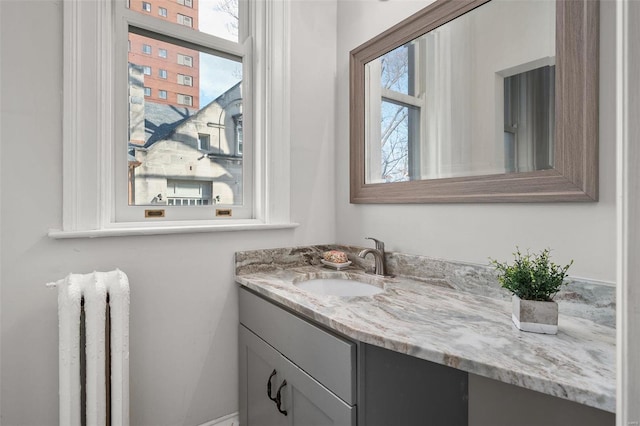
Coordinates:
[582,298]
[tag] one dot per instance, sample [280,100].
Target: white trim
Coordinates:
[170,228]
[272,114]
[628,208]
[87,41]
[88,130]
[230,420]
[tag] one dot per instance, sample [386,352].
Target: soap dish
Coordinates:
[336,266]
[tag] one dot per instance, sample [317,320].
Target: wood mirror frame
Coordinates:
[575,173]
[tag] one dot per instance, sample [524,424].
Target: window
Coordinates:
[162,94]
[147,91]
[398,105]
[185,60]
[238,120]
[204,142]
[98,201]
[185,80]
[162,12]
[188,3]
[146,6]
[162,74]
[162,53]
[146,49]
[185,20]
[185,99]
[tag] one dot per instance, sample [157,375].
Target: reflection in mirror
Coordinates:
[529,118]
[472,97]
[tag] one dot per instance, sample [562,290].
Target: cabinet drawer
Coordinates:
[327,358]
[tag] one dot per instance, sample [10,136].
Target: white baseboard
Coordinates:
[232,419]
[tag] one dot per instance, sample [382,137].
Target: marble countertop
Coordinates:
[431,320]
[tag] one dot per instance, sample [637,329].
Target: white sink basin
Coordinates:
[339,287]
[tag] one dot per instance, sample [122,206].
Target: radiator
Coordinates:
[93,342]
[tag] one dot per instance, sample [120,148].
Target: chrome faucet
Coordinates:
[378,256]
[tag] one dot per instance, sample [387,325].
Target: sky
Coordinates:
[217,75]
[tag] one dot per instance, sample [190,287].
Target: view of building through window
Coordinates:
[185,109]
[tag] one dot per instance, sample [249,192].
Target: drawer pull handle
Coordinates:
[279,398]
[273,373]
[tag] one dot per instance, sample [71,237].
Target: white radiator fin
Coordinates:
[93,288]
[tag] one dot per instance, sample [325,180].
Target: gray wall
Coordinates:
[183,298]
[473,232]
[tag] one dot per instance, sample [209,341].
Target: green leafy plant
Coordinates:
[532,277]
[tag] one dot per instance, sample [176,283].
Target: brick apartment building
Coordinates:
[171,72]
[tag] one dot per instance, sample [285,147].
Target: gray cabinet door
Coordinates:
[306,402]
[257,365]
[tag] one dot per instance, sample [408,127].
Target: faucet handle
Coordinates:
[379,244]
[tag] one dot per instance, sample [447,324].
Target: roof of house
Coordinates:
[161,119]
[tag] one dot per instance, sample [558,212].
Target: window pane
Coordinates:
[399,134]
[184,134]
[215,17]
[395,70]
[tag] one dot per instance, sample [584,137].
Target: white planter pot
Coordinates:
[535,316]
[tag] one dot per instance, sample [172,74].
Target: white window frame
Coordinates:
[185,80]
[185,20]
[89,169]
[162,53]
[163,74]
[187,3]
[185,99]
[162,11]
[202,146]
[184,58]
[162,94]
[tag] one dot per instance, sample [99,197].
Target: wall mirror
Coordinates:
[478,101]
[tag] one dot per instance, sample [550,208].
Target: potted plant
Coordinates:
[534,280]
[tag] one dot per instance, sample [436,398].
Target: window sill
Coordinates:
[169,228]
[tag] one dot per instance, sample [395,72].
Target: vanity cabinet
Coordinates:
[292,372]
[326,379]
